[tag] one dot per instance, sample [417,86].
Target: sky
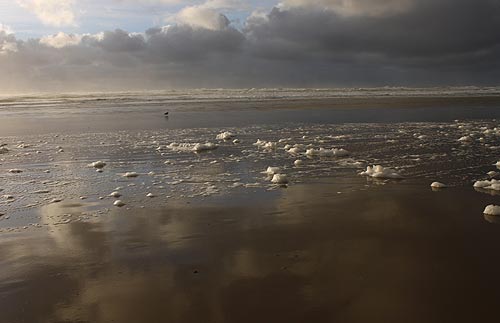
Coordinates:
[91,45]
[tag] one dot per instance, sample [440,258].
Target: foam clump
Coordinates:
[294,150]
[115,194]
[187,147]
[4,150]
[151,195]
[204,147]
[270,145]
[279,179]
[226,135]
[119,203]
[312,152]
[488,185]
[379,171]
[98,164]
[298,162]
[492,210]
[15,171]
[340,152]
[438,185]
[272,170]
[265,144]
[334,152]
[465,139]
[131,174]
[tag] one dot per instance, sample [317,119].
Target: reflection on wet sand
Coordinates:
[489,192]
[311,255]
[492,218]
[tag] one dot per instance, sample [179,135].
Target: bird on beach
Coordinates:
[166,114]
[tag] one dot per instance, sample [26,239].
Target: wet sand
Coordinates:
[220,243]
[388,253]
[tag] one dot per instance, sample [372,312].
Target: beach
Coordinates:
[243,207]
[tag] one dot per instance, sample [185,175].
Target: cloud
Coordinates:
[206,15]
[61,40]
[8,43]
[184,43]
[168,2]
[119,41]
[298,44]
[352,7]
[225,4]
[52,12]
[214,4]
[6,29]
[423,32]
[202,17]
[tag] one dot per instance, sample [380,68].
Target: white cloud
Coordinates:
[201,17]
[8,42]
[7,47]
[56,13]
[6,29]
[208,14]
[61,40]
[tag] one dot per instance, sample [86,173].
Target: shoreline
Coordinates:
[117,116]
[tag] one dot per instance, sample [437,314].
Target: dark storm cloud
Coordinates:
[431,28]
[184,43]
[120,41]
[297,44]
